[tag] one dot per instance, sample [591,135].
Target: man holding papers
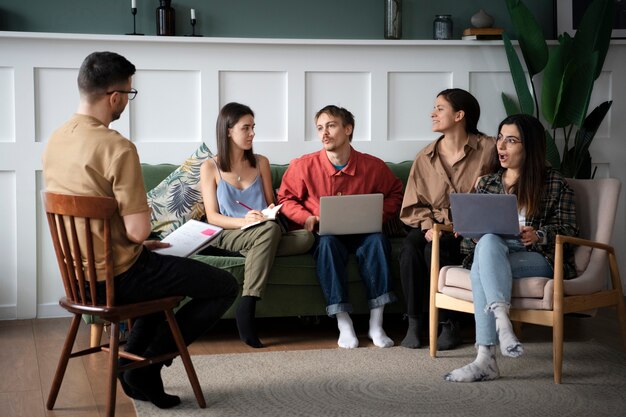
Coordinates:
[338,169]
[86,157]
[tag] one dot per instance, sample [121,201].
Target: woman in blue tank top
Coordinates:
[236,185]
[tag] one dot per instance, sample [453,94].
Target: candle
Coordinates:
[193,14]
[133,4]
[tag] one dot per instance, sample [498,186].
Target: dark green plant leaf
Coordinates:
[552,152]
[575,92]
[524,97]
[594,32]
[530,37]
[585,136]
[510,105]
[553,81]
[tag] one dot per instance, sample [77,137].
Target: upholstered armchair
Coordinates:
[545,301]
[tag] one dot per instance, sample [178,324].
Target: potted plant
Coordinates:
[568,71]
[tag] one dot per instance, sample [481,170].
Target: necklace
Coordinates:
[238,178]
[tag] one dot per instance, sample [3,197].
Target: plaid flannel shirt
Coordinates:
[557,216]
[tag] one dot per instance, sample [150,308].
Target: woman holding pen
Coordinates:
[236,185]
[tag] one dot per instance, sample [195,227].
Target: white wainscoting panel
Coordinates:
[266,94]
[411,98]
[351,90]
[390,87]
[7,105]
[167,107]
[56,97]
[8,246]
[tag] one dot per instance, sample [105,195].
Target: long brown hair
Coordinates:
[531,182]
[228,117]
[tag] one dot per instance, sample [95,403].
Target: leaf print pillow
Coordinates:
[177,198]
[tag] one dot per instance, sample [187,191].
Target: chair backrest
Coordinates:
[596,207]
[72,220]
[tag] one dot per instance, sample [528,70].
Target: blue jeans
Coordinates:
[331,257]
[496,263]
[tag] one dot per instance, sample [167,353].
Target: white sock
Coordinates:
[484,367]
[376,332]
[347,337]
[509,344]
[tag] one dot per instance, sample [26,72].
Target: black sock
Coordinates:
[245,321]
[147,381]
[412,339]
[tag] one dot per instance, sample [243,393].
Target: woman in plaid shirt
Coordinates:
[546,208]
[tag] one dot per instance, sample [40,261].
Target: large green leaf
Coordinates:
[586,133]
[575,92]
[510,105]
[526,102]
[552,152]
[530,37]
[594,32]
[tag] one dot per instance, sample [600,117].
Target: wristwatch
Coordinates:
[541,235]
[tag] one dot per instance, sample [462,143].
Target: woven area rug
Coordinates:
[398,382]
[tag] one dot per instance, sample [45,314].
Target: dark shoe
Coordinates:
[128,390]
[450,336]
[147,382]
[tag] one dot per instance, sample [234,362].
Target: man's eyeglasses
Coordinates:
[508,140]
[132,93]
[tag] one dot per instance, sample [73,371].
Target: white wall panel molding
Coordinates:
[390,86]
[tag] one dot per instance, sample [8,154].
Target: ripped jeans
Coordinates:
[497,262]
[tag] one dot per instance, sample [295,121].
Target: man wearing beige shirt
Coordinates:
[86,157]
[452,163]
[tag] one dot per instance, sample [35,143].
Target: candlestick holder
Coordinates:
[133,10]
[193,28]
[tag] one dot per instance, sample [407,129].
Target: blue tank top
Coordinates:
[228,195]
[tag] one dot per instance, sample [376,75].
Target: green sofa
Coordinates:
[293,289]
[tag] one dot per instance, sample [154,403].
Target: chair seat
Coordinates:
[122,312]
[529,293]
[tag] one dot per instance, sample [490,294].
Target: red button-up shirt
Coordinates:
[313,176]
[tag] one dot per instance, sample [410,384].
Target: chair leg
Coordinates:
[63,360]
[432,330]
[114,345]
[621,317]
[557,346]
[96,334]
[184,355]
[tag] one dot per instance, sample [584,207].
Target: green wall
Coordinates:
[321,19]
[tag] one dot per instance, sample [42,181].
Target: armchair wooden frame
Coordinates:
[68,216]
[562,302]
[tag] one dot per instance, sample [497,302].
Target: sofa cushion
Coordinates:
[177,198]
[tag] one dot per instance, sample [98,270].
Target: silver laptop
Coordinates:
[351,214]
[474,215]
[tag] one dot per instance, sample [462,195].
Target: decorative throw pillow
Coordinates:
[178,198]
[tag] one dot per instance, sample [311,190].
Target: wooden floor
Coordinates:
[29,350]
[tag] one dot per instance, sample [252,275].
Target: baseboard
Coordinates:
[8,312]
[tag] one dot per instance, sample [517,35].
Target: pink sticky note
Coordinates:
[208,232]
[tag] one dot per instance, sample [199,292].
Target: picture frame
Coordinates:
[569,12]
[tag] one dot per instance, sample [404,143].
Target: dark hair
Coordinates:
[460,99]
[228,117]
[347,118]
[531,181]
[101,71]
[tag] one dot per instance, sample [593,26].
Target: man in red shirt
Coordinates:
[338,169]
